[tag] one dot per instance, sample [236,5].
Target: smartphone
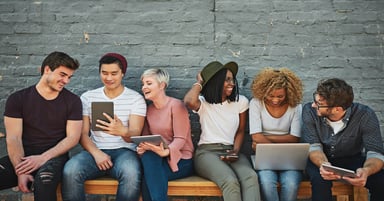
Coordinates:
[229,157]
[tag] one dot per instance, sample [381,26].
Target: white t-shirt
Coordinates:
[260,121]
[336,125]
[219,122]
[127,103]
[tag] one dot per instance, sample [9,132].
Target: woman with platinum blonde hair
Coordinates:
[168,117]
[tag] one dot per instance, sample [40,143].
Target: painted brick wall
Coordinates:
[317,39]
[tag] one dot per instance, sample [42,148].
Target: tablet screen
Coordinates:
[339,171]
[154,139]
[97,113]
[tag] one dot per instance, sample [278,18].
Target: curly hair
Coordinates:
[269,79]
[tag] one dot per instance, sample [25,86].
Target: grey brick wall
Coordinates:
[317,39]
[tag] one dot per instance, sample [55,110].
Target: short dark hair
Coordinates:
[213,90]
[56,59]
[336,92]
[114,58]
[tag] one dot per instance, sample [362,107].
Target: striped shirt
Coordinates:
[128,103]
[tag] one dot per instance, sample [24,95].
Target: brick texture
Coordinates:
[317,39]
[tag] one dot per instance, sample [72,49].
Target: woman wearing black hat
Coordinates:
[223,115]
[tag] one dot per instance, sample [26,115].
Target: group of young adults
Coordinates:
[44,121]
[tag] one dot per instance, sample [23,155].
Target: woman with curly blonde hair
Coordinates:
[275,117]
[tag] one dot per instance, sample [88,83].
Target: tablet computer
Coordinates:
[98,108]
[339,171]
[154,139]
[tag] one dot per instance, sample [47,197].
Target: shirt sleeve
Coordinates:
[308,130]
[140,107]
[295,128]
[85,102]
[255,116]
[181,131]
[372,154]
[244,104]
[372,140]
[76,112]
[13,106]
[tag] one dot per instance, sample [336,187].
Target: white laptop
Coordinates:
[280,156]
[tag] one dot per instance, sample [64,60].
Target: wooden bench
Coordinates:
[197,186]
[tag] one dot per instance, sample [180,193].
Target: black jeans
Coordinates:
[47,177]
[321,189]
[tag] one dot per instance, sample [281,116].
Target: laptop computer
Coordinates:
[280,156]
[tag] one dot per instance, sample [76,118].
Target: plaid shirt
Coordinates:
[361,132]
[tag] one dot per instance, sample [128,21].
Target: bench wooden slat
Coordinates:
[101,186]
[192,186]
[197,186]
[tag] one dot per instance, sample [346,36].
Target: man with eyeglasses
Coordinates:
[345,134]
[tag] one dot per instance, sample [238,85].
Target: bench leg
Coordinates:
[360,194]
[58,193]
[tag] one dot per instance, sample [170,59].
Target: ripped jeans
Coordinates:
[46,178]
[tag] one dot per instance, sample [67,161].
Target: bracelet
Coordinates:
[201,86]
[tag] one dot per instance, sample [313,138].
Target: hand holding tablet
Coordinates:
[339,171]
[98,108]
[153,139]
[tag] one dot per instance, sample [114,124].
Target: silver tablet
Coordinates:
[339,171]
[153,139]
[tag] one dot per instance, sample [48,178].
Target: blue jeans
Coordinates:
[321,189]
[288,179]
[126,169]
[157,173]
[46,178]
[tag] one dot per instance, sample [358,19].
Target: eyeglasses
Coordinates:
[317,103]
[230,80]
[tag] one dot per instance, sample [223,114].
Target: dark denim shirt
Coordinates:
[361,132]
